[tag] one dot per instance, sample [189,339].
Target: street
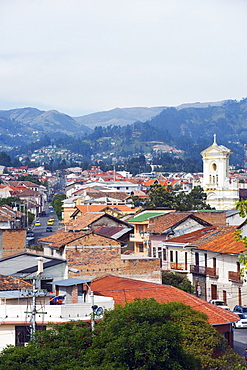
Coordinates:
[240,340]
[40,231]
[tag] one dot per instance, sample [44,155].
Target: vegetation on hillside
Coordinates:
[142,335]
[188,130]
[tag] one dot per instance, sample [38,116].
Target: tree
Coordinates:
[57,203]
[160,196]
[195,200]
[61,347]
[5,159]
[178,280]
[11,201]
[143,335]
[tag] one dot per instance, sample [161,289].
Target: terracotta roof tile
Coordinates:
[12,283]
[84,220]
[200,237]
[166,221]
[60,239]
[125,290]
[84,208]
[224,243]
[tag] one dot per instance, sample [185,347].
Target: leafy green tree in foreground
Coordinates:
[241,206]
[143,335]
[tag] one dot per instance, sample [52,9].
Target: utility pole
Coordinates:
[34,293]
[33,313]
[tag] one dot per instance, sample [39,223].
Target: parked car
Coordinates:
[42,213]
[48,229]
[220,303]
[30,233]
[240,309]
[242,323]
[37,223]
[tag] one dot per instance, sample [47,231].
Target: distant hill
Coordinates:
[34,120]
[127,116]
[123,133]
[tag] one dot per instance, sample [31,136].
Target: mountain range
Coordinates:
[128,131]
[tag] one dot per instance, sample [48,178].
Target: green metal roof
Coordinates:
[145,216]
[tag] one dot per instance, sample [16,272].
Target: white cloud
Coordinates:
[81,56]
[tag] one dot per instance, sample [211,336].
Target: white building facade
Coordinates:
[222,193]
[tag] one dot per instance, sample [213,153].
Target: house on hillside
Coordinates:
[91,254]
[151,228]
[71,300]
[24,266]
[209,258]
[139,239]
[167,226]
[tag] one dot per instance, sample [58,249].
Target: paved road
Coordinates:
[240,340]
[40,231]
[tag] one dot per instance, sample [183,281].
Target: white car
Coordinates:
[220,303]
[242,323]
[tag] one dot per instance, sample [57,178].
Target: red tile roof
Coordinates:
[84,220]
[124,290]
[221,239]
[160,223]
[12,283]
[61,238]
[225,243]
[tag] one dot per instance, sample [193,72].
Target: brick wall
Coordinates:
[99,261]
[12,241]
[74,294]
[214,218]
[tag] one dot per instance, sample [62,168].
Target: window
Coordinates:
[213,291]
[171,256]
[164,254]
[140,228]
[140,247]
[154,252]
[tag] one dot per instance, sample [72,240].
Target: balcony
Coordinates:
[177,266]
[196,269]
[206,271]
[138,237]
[235,277]
[212,272]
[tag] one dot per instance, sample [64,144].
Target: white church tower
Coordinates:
[222,193]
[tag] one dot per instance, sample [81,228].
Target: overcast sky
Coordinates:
[84,56]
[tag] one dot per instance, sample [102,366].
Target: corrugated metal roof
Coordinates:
[23,264]
[70,282]
[21,294]
[114,232]
[145,216]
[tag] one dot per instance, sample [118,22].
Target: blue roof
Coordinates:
[70,282]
